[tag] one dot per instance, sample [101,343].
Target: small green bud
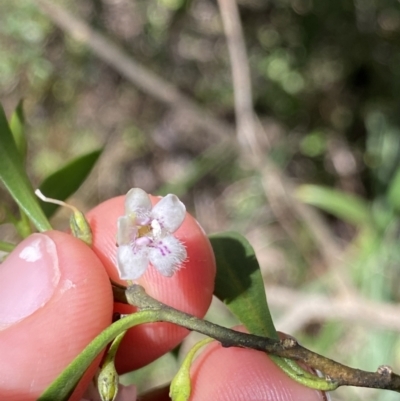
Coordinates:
[80,228]
[181,387]
[107,381]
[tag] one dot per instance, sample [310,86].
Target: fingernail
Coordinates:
[28,279]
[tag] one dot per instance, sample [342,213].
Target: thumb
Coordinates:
[236,374]
[55,297]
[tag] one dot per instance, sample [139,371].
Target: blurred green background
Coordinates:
[326,91]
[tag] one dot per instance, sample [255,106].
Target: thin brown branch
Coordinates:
[334,372]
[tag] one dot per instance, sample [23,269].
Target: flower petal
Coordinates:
[132,263]
[167,255]
[169,212]
[138,203]
[126,230]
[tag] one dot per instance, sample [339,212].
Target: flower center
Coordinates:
[143,230]
[147,234]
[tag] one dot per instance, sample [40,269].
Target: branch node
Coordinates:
[136,296]
[289,342]
[385,370]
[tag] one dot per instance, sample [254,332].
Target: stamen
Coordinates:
[39,194]
[155,225]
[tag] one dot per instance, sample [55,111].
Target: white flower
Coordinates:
[145,235]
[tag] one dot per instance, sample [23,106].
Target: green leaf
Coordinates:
[239,283]
[17,126]
[347,207]
[15,179]
[64,182]
[240,286]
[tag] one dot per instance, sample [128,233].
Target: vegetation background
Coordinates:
[151,82]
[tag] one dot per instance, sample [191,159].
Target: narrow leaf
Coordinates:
[14,177]
[347,207]
[17,126]
[64,182]
[239,283]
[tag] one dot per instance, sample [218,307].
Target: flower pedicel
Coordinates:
[145,235]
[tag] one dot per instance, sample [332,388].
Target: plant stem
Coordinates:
[335,373]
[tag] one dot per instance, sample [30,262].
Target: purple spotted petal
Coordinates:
[167,255]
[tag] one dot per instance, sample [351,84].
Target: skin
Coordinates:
[35,349]
[54,315]
[251,376]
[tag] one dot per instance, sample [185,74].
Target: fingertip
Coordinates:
[236,374]
[103,222]
[76,306]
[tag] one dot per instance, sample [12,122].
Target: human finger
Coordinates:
[55,298]
[237,374]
